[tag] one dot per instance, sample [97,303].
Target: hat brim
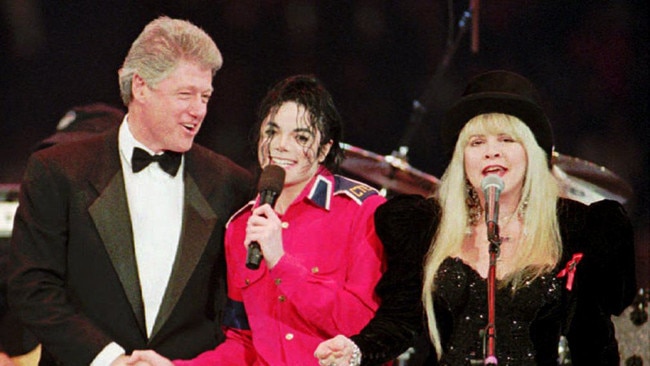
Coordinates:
[473,105]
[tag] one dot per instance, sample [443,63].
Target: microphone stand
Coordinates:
[490,329]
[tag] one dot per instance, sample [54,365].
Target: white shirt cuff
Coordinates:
[108,355]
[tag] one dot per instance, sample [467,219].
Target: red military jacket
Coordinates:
[322,286]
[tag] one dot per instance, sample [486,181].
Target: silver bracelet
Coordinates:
[356,355]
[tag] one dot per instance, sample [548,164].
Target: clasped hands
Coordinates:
[337,351]
[142,358]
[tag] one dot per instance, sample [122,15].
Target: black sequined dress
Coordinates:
[462,298]
[530,322]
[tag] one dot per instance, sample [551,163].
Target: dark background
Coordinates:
[588,58]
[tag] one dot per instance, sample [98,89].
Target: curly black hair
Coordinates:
[309,92]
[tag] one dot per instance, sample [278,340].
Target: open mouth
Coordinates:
[494,169]
[190,127]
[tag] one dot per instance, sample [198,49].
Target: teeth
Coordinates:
[282,162]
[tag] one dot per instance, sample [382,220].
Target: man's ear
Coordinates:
[138,86]
[324,150]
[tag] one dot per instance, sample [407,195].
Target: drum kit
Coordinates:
[389,174]
[579,180]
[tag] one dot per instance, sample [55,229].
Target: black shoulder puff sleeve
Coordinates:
[606,283]
[405,225]
[609,256]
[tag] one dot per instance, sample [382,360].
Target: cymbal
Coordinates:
[587,182]
[387,173]
[579,180]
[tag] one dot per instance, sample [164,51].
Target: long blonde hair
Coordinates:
[540,248]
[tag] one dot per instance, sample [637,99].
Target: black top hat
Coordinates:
[498,91]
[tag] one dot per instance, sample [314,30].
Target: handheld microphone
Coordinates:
[270,186]
[492,186]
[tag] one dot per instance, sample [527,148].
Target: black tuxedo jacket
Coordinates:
[74,279]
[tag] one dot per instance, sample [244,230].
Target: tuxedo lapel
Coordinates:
[110,213]
[199,220]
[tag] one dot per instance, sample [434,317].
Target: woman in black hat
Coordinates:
[562,267]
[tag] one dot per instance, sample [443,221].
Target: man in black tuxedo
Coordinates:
[118,239]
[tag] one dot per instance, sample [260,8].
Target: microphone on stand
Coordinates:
[492,186]
[270,186]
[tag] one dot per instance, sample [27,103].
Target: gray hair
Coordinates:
[163,43]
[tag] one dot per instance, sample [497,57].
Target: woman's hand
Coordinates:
[148,357]
[265,227]
[338,351]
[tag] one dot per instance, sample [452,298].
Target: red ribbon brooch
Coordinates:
[570,270]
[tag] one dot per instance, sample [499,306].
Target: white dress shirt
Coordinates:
[155,201]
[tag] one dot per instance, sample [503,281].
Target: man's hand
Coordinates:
[265,228]
[129,361]
[148,357]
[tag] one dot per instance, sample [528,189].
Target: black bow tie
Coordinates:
[169,161]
